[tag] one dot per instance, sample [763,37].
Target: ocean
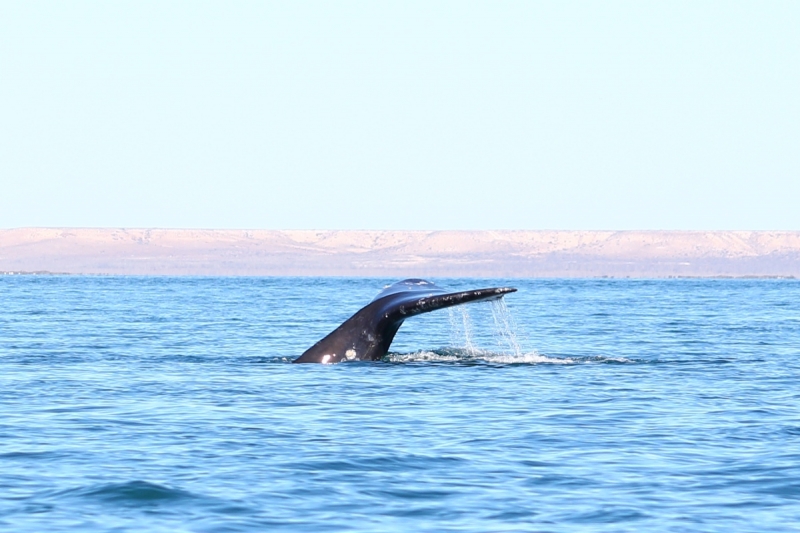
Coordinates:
[170,404]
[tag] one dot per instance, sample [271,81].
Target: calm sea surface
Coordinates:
[169,404]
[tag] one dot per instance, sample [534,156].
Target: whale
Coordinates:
[367,335]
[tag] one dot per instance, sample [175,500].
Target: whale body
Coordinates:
[367,335]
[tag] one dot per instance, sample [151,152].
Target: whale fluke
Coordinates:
[366,335]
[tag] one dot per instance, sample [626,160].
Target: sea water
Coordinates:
[169,404]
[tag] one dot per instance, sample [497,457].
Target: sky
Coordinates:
[400,115]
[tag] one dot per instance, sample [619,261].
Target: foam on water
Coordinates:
[459,355]
[451,355]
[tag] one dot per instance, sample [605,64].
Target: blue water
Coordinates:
[168,404]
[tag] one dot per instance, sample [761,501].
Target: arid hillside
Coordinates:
[401,253]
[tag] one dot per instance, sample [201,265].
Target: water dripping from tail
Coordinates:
[461,329]
[505,328]
[465,349]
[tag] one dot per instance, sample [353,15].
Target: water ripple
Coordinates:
[170,404]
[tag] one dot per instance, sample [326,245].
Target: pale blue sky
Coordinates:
[412,115]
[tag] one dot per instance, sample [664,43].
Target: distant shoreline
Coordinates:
[436,254]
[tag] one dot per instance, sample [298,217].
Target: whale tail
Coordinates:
[367,335]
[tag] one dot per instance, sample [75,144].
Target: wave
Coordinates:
[131,492]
